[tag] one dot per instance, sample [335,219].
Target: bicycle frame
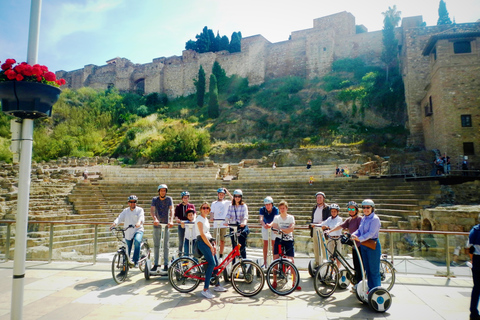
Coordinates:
[228,259]
[337,255]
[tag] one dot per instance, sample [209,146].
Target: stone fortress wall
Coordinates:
[451,81]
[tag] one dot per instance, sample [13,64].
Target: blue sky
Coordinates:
[74,33]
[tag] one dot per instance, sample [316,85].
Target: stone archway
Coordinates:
[426,225]
[140,86]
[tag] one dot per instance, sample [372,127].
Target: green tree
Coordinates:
[443,17]
[235,42]
[200,85]
[390,43]
[213,108]
[224,42]
[203,41]
[191,45]
[221,76]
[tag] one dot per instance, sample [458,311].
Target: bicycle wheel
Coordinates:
[119,267]
[247,278]
[282,277]
[180,274]
[387,274]
[326,279]
[144,255]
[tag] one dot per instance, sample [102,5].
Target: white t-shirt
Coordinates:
[131,217]
[283,224]
[317,216]
[206,226]
[219,211]
[332,223]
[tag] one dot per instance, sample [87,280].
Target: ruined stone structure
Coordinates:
[441,83]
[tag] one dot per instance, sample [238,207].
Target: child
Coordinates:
[286,223]
[333,221]
[189,232]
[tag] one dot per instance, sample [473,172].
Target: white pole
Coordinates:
[24,179]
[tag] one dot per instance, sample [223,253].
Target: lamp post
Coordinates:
[24,178]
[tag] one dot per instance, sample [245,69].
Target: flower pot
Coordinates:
[28,100]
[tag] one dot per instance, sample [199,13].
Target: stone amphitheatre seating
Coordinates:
[397,201]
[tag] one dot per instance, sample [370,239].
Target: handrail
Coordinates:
[8,236]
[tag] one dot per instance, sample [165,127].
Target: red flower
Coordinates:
[6,66]
[19,77]
[10,61]
[37,70]
[28,70]
[11,75]
[39,79]
[50,76]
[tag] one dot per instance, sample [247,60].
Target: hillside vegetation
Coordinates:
[353,104]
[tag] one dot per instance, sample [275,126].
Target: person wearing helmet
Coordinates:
[370,249]
[218,214]
[332,222]
[320,213]
[161,211]
[181,215]
[352,223]
[238,213]
[267,213]
[134,216]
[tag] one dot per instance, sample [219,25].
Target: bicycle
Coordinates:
[329,277]
[185,274]
[282,272]
[121,262]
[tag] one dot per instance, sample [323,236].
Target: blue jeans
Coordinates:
[211,263]
[371,264]
[476,286]
[136,241]
[181,239]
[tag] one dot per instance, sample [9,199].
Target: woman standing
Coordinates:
[370,249]
[206,248]
[238,213]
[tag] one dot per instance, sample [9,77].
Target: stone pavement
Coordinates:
[73,290]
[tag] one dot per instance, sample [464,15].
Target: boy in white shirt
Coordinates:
[190,234]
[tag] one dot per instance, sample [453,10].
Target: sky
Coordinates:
[75,33]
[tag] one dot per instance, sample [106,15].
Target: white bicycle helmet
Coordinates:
[238,192]
[268,200]
[335,206]
[133,198]
[162,186]
[368,202]
[320,193]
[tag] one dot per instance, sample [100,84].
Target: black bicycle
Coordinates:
[282,275]
[121,262]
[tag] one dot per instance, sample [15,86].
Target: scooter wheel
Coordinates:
[379,299]
[312,270]
[343,281]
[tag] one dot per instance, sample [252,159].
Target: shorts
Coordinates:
[288,247]
[222,232]
[331,246]
[265,232]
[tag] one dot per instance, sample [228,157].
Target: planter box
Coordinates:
[28,100]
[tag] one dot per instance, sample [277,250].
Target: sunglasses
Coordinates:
[366,207]
[132,201]
[351,209]
[204,208]
[237,196]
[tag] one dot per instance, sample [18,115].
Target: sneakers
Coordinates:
[135,265]
[154,268]
[207,294]
[299,288]
[274,285]
[354,289]
[219,288]
[165,268]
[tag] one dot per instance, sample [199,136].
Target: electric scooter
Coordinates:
[378,298]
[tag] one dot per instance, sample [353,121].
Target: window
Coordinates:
[466,120]
[462,47]
[468,148]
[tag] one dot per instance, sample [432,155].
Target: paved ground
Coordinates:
[72,290]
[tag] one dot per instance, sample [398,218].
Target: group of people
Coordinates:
[223,212]
[442,164]
[341,172]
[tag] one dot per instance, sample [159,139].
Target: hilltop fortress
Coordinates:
[440,66]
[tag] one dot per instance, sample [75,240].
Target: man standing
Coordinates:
[181,215]
[320,213]
[474,243]
[267,214]
[134,216]
[218,212]
[161,211]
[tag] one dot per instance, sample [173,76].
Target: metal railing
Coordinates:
[400,245]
